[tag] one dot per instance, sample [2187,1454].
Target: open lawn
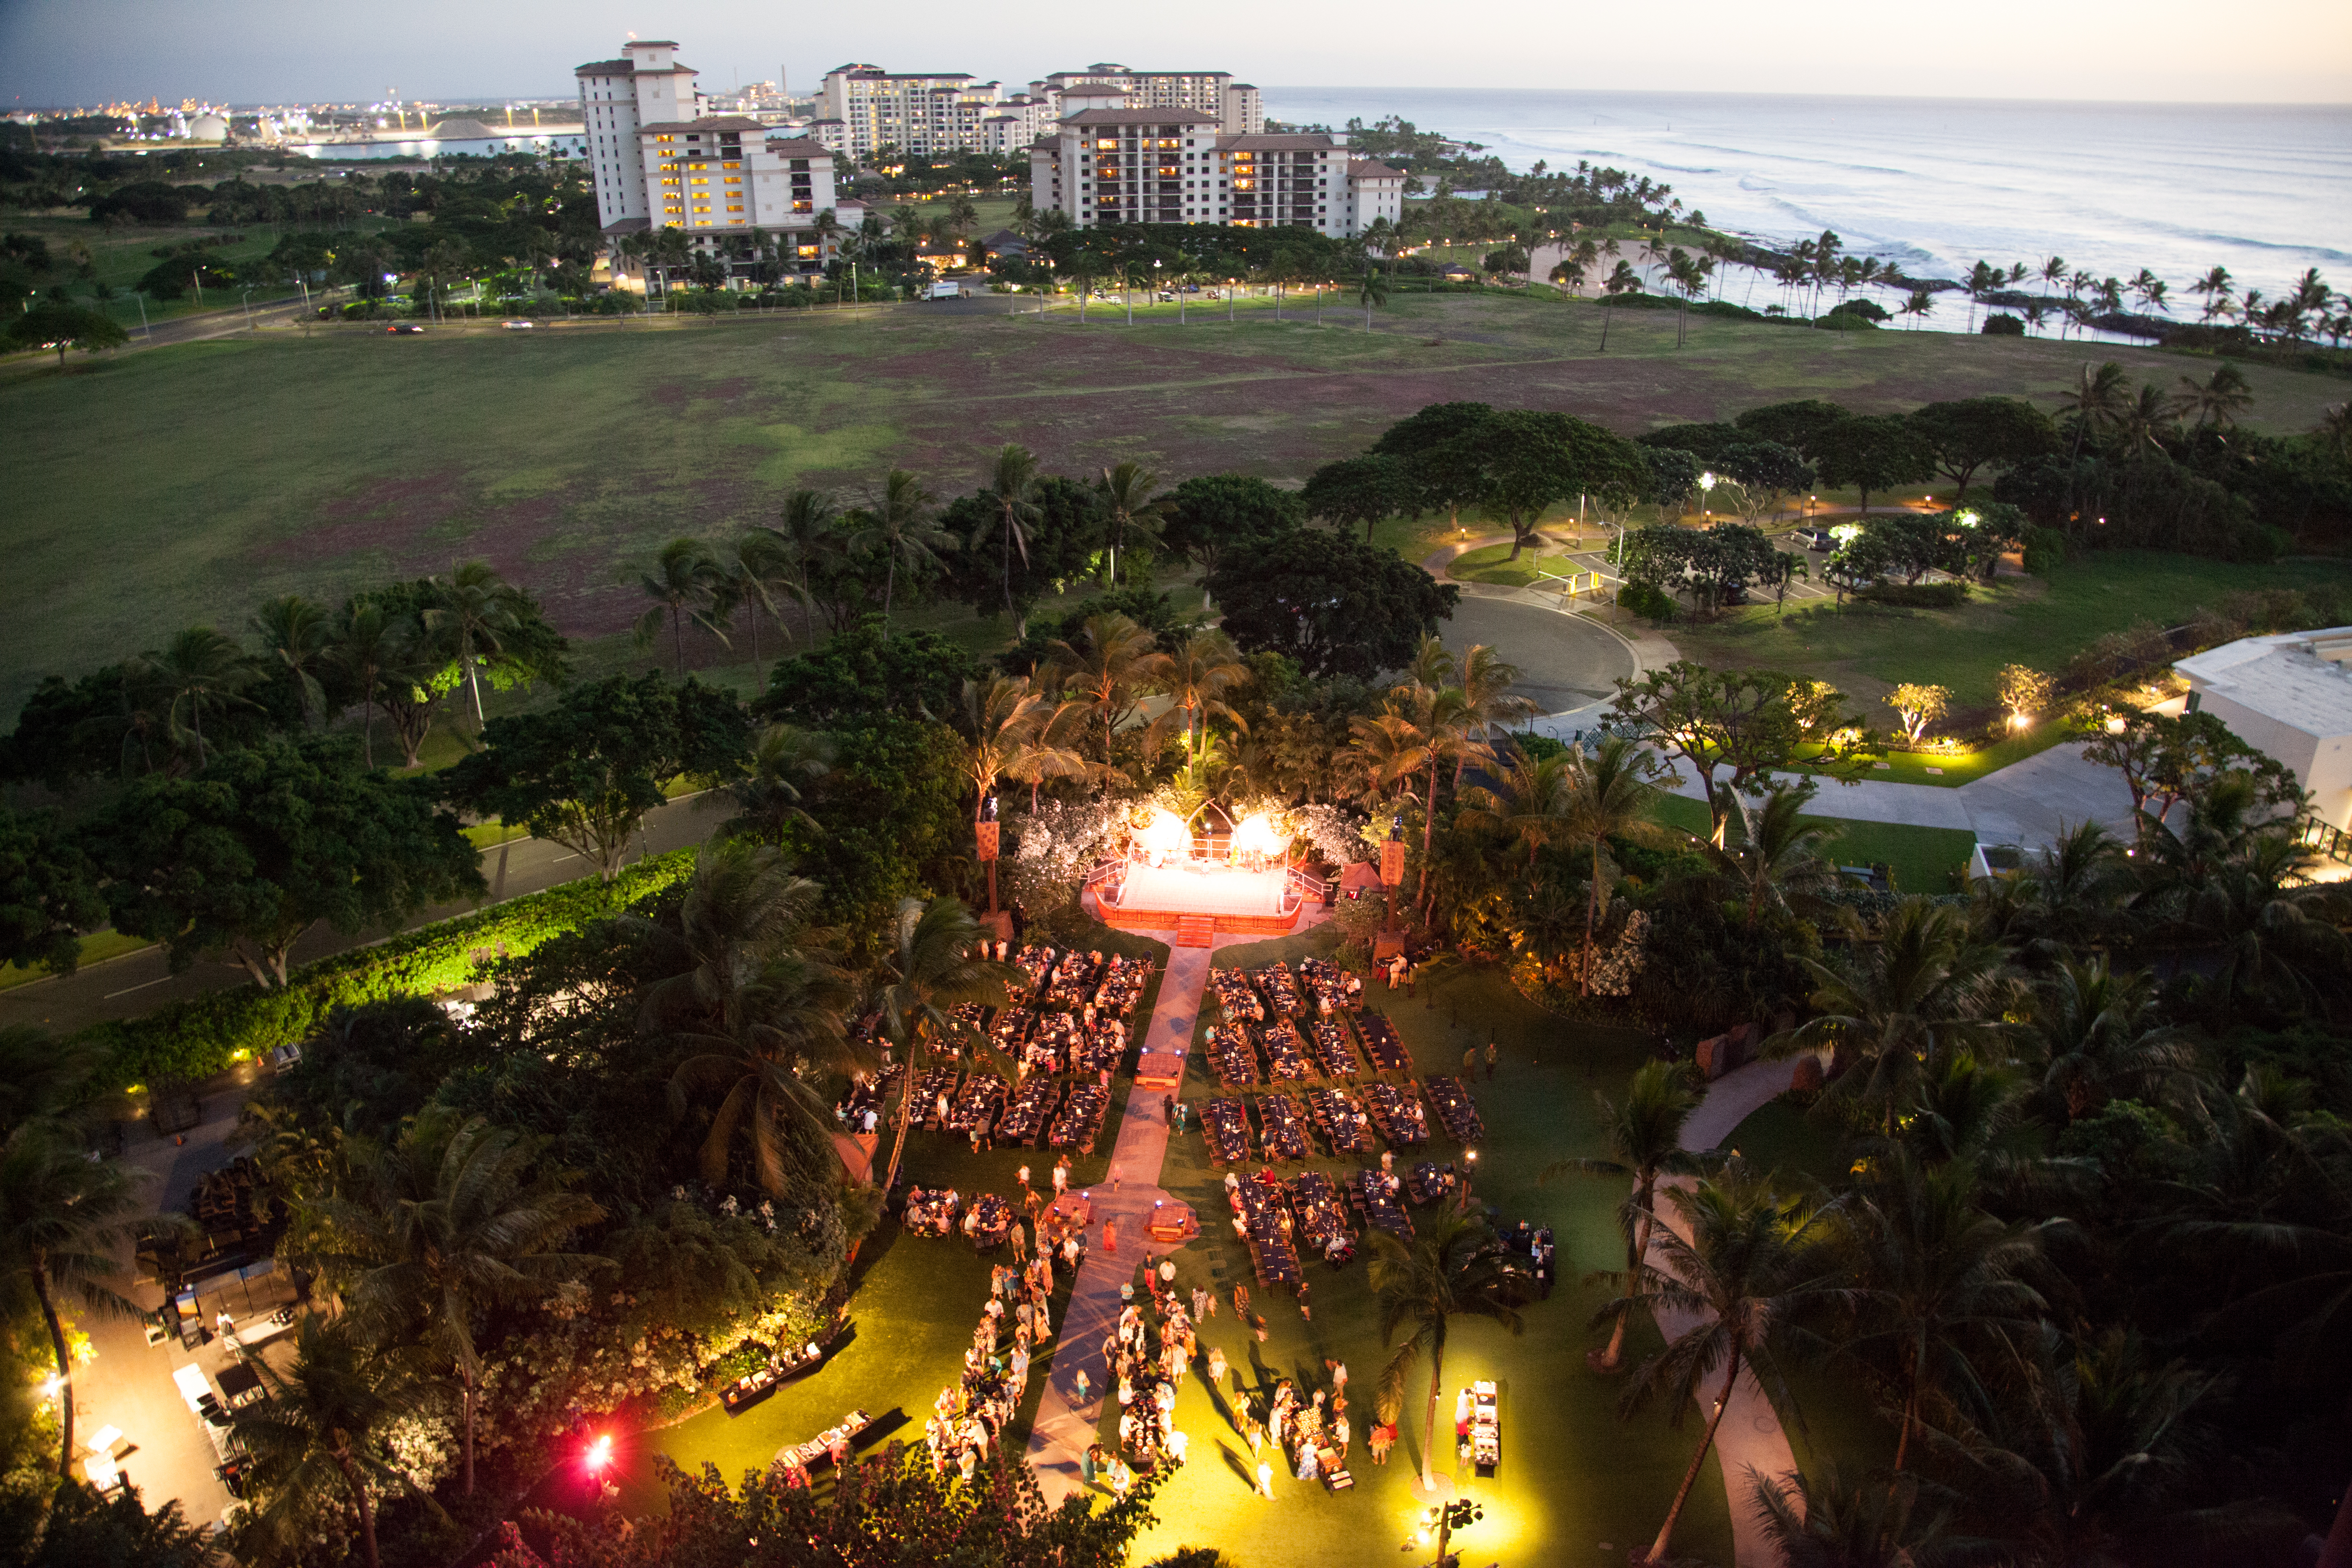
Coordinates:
[1923,859]
[1868,649]
[915,1301]
[153,490]
[1573,1477]
[120,255]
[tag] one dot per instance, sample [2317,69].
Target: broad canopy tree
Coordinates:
[1741,724]
[1215,514]
[1335,606]
[585,772]
[266,841]
[1872,452]
[1971,432]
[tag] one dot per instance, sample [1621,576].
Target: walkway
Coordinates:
[1570,662]
[2027,802]
[1065,1426]
[1751,1435]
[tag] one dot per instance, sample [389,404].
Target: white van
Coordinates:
[945,292]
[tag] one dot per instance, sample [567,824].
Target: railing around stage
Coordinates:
[1108,878]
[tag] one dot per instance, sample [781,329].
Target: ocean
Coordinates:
[1936,184]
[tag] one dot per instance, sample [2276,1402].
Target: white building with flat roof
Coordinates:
[2289,697]
[1238,107]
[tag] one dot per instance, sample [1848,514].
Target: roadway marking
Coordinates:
[141,986]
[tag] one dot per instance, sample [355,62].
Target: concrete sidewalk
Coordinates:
[1751,1436]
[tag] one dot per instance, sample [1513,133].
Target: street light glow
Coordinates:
[600,1454]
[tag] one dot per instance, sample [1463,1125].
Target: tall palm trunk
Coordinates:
[65,1367]
[471,1394]
[474,684]
[1682,1494]
[1428,831]
[1592,923]
[1910,1411]
[359,1500]
[1429,1419]
[678,636]
[1636,1250]
[889,588]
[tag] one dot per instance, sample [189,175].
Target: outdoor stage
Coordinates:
[1199,897]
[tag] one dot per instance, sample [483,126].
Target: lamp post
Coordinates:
[1707,494]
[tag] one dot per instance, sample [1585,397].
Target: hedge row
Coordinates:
[209,1033]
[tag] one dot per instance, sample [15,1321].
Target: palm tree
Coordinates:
[1128,487]
[473,608]
[447,1223]
[1052,750]
[1486,678]
[1645,1141]
[899,524]
[298,635]
[1624,280]
[1012,493]
[1772,854]
[197,669]
[786,762]
[1938,1283]
[804,531]
[686,585]
[1828,1520]
[1198,673]
[762,571]
[1112,660]
[2218,400]
[1528,803]
[754,1011]
[321,1429]
[1752,1263]
[2215,286]
[1371,287]
[367,645]
[1451,1268]
[63,1213]
[999,719]
[929,967]
[1922,990]
[2096,1035]
[1612,795]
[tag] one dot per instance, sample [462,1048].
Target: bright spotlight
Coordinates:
[599,1455]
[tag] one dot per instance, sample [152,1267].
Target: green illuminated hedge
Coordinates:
[207,1034]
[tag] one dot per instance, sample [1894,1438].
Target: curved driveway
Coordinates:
[1565,661]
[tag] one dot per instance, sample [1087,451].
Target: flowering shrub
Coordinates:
[1056,846]
[1615,964]
[1333,831]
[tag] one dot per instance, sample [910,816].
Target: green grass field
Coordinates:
[120,256]
[1922,858]
[1867,649]
[154,489]
[1573,1474]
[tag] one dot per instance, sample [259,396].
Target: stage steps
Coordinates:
[1195,930]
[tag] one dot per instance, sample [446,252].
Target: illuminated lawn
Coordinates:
[1573,1476]
[1922,859]
[916,1302]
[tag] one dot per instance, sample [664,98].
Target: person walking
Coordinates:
[1470,1065]
[1494,1055]
[1110,1236]
[1082,1385]
[1216,1369]
[1265,1478]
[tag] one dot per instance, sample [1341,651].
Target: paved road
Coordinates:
[140,981]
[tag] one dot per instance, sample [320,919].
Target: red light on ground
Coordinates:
[600,1454]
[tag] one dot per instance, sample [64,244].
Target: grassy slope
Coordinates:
[155,489]
[123,256]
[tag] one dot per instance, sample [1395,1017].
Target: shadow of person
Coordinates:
[1239,1465]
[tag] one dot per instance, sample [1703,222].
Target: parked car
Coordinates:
[1815,538]
[403,327]
[519,324]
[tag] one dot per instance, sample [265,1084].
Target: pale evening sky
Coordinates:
[63,52]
